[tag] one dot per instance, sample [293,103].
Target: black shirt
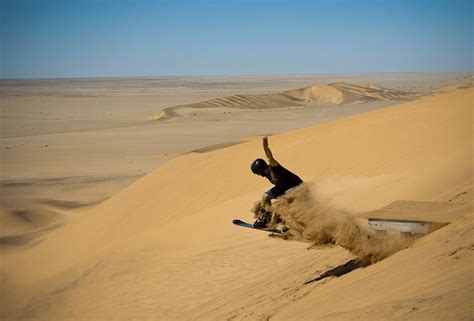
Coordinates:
[283,178]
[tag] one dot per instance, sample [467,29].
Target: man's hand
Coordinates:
[265,142]
[268,152]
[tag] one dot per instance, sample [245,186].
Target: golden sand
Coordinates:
[165,248]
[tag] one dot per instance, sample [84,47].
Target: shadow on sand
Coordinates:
[347,267]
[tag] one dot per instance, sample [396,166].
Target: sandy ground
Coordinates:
[164,247]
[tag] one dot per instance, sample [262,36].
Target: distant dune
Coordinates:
[466,82]
[337,93]
[165,247]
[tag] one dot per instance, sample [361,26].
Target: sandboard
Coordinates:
[248,225]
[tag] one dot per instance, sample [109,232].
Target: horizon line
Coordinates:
[234,75]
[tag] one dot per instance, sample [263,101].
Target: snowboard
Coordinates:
[248,225]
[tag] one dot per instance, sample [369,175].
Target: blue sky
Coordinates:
[107,38]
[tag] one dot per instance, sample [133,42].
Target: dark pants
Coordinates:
[275,192]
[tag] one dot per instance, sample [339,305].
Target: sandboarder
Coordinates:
[282,178]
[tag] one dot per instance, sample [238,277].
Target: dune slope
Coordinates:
[165,248]
[429,281]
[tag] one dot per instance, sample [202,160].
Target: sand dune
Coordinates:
[21,220]
[337,93]
[343,93]
[165,248]
[465,82]
[429,281]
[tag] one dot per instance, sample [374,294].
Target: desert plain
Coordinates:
[118,195]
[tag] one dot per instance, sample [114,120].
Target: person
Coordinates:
[282,178]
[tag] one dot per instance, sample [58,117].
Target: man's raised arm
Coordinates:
[268,152]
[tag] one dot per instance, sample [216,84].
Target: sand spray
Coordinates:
[315,220]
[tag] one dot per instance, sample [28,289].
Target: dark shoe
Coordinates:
[261,222]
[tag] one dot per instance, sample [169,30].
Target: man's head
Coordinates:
[259,167]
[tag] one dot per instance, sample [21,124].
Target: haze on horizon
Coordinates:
[93,38]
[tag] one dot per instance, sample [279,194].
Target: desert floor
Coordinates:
[109,215]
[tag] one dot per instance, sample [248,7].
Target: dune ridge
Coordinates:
[165,247]
[337,93]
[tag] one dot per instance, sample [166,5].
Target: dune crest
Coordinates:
[162,115]
[318,94]
[337,93]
